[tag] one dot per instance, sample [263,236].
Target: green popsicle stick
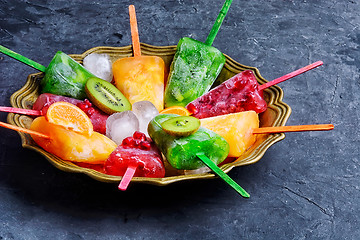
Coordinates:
[223,175]
[220,18]
[22,59]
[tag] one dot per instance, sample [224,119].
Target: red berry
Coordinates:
[127,142]
[145,145]
[139,135]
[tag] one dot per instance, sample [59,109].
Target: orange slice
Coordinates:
[69,116]
[176,110]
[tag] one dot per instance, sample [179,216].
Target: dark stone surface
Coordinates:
[305,187]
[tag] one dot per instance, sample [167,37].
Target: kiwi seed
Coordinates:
[106,96]
[181,126]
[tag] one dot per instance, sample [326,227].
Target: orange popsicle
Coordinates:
[140,78]
[235,129]
[70,145]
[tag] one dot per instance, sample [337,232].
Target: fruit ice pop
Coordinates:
[72,146]
[239,93]
[194,69]
[181,151]
[136,151]
[97,117]
[140,78]
[234,128]
[64,76]
[195,66]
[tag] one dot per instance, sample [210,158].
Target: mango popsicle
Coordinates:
[64,76]
[235,129]
[140,78]
[72,146]
[181,152]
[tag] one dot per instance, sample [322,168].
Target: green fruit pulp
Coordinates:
[181,152]
[64,76]
[193,70]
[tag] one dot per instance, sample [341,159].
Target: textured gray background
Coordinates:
[305,187]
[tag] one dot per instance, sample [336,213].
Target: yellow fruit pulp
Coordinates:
[141,78]
[235,128]
[72,146]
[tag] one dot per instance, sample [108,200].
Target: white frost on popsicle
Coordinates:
[100,65]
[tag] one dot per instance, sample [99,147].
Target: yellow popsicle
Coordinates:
[141,78]
[235,128]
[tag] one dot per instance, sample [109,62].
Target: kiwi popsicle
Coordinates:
[181,151]
[140,78]
[64,76]
[195,66]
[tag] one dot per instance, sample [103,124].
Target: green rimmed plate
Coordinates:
[277,114]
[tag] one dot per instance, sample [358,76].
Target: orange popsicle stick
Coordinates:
[126,179]
[24,130]
[21,111]
[300,128]
[134,32]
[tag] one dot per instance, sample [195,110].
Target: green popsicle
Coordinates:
[195,66]
[64,76]
[181,152]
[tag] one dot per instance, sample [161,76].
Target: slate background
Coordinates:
[305,187]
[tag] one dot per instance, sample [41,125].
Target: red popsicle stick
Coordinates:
[299,128]
[290,75]
[24,130]
[21,111]
[134,32]
[126,179]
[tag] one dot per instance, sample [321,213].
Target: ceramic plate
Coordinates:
[276,115]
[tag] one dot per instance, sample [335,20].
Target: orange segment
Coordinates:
[69,116]
[176,110]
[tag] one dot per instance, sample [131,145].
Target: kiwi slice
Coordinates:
[106,96]
[181,126]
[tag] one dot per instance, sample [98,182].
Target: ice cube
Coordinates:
[145,112]
[121,125]
[100,65]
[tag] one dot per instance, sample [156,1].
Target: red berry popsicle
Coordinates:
[43,102]
[137,156]
[237,94]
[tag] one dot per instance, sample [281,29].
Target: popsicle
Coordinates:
[140,78]
[64,76]
[240,129]
[181,152]
[239,93]
[195,66]
[137,156]
[72,146]
[43,102]
[200,148]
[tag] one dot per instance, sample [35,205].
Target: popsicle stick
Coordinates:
[24,130]
[220,18]
[126,179]
[21,111]
[290,75]
[22,59]
[222,175]
[300,128]
[134,32]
